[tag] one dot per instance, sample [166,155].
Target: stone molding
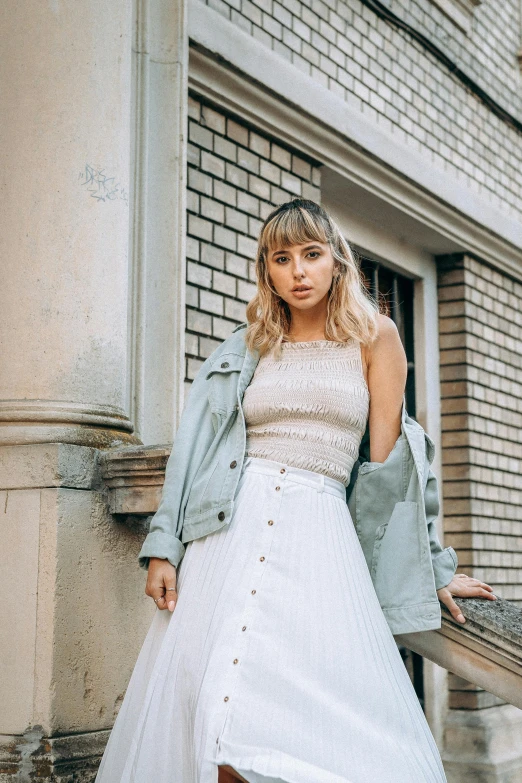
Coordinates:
[134,477]
[23,422]
[156,343]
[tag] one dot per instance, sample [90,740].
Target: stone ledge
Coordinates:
[134,477]
[72,758]
[486,651]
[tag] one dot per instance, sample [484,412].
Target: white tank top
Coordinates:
[308,409]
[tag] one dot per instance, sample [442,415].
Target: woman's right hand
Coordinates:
[162,583]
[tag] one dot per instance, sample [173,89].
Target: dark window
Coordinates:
[395,294]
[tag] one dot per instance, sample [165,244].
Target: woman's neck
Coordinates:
[307,325]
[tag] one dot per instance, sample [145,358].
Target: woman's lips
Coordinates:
[302,294]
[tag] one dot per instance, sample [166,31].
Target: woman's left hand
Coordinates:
[463,586]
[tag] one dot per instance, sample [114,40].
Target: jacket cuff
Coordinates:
[444,567]
[163,545]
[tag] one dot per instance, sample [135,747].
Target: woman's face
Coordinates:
[309,265]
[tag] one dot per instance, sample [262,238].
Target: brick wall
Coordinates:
[487,54]
[389,76]
[235,178]
[480,321]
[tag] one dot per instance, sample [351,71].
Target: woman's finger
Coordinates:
[455,611]
[158,595]
[171,593]
[486,594]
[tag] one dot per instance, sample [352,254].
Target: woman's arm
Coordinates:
[387,369]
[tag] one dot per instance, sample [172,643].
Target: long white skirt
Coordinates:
[278,659]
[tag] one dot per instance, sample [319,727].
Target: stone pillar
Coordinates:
[65,150]
[72,608]
[482,737]
[480,326]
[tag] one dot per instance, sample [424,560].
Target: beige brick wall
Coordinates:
[487,53]
[384,72]
[235,178]
[480,318]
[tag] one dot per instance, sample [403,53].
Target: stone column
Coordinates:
[73,613]
[480,326]
[65,150]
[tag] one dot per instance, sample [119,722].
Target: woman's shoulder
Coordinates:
[385,327]
[387,338]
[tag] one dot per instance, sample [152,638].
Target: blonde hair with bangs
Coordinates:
[352,311]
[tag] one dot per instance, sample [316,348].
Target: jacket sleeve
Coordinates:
[444,561]
[192,441]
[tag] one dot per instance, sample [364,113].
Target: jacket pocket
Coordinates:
[223,383]
[399,570]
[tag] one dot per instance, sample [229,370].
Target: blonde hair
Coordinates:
[352,311]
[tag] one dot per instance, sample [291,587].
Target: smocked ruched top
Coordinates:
[309,408]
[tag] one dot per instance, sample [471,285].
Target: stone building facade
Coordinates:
[144,145]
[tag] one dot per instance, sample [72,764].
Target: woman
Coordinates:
[278,665]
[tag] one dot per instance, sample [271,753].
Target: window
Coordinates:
[395,294]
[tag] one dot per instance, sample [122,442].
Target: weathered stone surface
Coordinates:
[32,757]
[483,746]
[135,477]
[48,465]
[486,650]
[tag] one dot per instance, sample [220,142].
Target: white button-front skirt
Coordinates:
[277,660]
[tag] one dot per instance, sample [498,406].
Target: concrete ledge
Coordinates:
[72,758]
[486,651]
[134,477]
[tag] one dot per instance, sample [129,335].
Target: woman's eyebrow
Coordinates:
[308,247]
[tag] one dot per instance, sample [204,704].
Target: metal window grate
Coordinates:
[395,295]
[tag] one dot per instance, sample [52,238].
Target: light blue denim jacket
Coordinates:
[394,504]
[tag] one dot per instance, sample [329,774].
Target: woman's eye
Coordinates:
[313,253]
